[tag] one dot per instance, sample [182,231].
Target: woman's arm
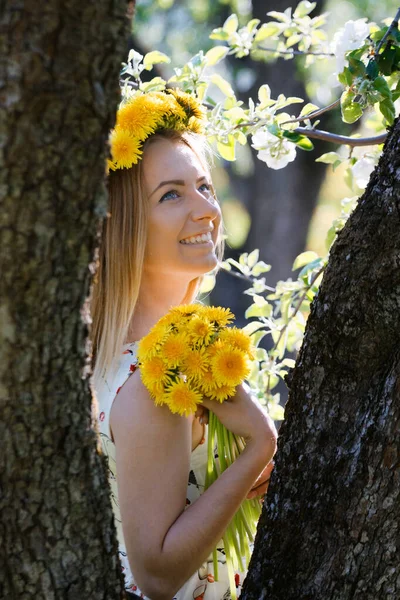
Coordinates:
[165,543]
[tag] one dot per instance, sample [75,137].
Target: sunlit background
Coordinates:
[181,28]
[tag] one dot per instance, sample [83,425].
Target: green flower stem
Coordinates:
[231,573]
[241,530]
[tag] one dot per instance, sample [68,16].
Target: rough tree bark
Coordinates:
[330,526]
[59,64]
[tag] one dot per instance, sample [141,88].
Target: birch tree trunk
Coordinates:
[330,526]
[59,64]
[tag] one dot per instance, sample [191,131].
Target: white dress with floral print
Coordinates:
[201,585]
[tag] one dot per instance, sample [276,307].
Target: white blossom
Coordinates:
[274,151]
[362,170]
[349,37]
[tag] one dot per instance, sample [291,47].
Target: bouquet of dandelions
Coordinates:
[191,353]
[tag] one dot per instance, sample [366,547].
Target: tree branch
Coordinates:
[393,25]
[295,52]
[247,278]
[341,139]
[298,306]
[315,114]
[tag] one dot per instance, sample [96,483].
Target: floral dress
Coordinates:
[202,584]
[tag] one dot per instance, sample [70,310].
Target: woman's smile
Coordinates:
[196,240]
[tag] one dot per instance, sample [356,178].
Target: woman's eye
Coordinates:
[205,186]
[169,195]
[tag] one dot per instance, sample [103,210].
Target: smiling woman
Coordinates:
[161,237]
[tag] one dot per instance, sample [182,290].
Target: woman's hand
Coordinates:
[261,484]
[245,417]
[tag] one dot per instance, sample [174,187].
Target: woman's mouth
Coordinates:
[198,239]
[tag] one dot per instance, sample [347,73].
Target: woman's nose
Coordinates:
[205,207]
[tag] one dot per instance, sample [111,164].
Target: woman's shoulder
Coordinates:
[109,384]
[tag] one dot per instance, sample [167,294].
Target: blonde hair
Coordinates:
[121,256]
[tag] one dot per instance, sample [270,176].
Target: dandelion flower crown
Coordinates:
[146,114]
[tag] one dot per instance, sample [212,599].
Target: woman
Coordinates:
[161,237]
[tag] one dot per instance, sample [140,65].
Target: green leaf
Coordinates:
[227,150]
[330,237]
[257,336]
[381,85]
[386,60]
[207,283]
[252,24]
[253,326]
[261,354]
[264,94]
[267,30]
[388,110]
[278,16]
[256,310]
[276,412]
[301,141]
[224,264]
[304,8]
[253,257]
[304,259]
[219,34]
[305,143]
[356,54]
[216,54]
[308,109]
[314,265]
[288,362]
[329,158]
[356,67]
[260,267]
[372,69]
[223,85]
[351,111]
[157,84]
[293,40]
[345,77]
[231,24]
[153,58]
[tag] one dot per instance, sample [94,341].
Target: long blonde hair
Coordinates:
[121,256]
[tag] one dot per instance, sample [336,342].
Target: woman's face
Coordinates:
[184,217]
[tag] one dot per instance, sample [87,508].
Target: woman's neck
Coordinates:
[155,299]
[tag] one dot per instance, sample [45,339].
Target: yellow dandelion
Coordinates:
[196,125]
[149,345]
[191,106]
[174,349]
[238,339]
[195,364]
[185,310]
[207,383]
[155,374]
[223,392]
[124,148]
[214,348]
[230,366]
[221,316]
[182,399]
[200,330]
[138,118]
[170,319]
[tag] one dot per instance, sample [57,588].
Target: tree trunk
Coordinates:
[59,90]
[330,526]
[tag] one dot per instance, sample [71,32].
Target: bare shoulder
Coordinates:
[133,409]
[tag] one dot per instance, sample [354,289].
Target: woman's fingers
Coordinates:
[261,484]
[202,414]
